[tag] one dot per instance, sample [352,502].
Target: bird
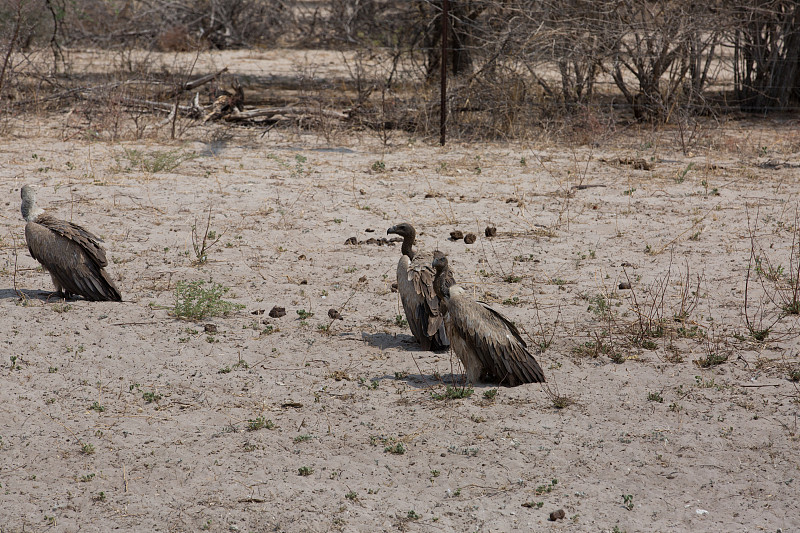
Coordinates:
[227,102]
[415,285]
[487,343]
[71,254]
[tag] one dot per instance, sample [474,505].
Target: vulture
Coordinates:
[415,285]
[227,102]
[72,255]
[487,343]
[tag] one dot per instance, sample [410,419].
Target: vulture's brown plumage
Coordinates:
[415,285]
[72,255]
[487,343]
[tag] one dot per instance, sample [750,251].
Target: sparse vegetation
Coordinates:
[454,393]
[194,300]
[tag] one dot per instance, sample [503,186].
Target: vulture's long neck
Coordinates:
[28,208]
[439,283]
[408,246]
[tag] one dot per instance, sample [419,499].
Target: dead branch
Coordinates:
[193,84]
[237,116]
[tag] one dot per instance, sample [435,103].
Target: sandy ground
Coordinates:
[121,416]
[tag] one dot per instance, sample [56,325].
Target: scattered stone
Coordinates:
[557,515]
[334,314]
[210,328]
[456,235]
[369,230]
[277,312]
[351,240]
[624,285]
[394,287]
[490,231]
[469,238]
[362,279]
[257,312]
[303,282]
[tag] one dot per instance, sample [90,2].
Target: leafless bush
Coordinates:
[178,25]
[766,41]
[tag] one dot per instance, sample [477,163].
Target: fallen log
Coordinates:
[238,116]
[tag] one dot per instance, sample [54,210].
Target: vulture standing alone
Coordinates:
[487,343]
[415,285]
[72,255]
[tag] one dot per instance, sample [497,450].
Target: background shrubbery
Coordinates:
[514,64]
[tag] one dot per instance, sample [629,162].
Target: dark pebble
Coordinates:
[490,231]
[210,328]
[456,235]
[557,515]
[624,285]
[469,238]
[334,314]
[351,240]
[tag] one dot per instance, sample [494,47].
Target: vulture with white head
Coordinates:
[415,285]
[72,255]
[487,343]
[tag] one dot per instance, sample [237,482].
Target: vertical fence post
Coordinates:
[443,89]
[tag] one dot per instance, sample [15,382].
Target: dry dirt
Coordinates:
[121,416]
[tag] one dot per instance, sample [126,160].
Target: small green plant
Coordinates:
[302,438]
[435,473]
[97,407]
[378,166]
[655,397]
[352,496]
[627,500]
[305,470]
[303,314]
[400,321]
[396,449]
[87,449]
[511,278]
[794,375]
[194,301]
[545,489]
[150,397]
[537,505]
[759,334]
[490,394]
[87,478]
[712,359]
[400,375]
[259,423]
[13,359]
[454,393]
[412,515]
[61,307]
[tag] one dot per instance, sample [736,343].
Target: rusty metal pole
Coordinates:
[443,90]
